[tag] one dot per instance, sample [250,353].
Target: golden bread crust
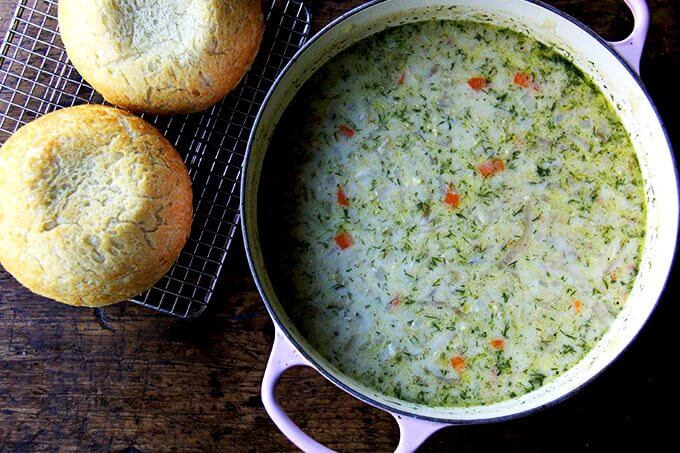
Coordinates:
[161,57]
[95,205]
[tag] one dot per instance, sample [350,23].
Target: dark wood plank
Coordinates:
[155,383]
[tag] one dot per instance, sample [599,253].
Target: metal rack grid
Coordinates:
[36,78]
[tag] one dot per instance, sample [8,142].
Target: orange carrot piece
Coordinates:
[522,79]
[578,306]
[452,199]
[491,167]
[346,131]
[402,78]
[458,363]
[498,344]
[396,301]
[478,83]
[344,240]
[342,197]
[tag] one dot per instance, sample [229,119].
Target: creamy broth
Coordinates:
[455,213]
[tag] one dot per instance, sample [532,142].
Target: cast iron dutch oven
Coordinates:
[613,66]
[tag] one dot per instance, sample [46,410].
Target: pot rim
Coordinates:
[331,376]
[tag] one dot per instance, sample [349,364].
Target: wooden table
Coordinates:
[150,382]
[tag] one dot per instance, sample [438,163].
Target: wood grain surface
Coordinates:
[148,382]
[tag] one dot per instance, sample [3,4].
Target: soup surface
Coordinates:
[455,212]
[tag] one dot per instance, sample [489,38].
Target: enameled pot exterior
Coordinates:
[616,76]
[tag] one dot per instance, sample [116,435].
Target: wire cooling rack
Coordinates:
[36,78]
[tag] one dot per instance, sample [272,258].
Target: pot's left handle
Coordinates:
[283,357]
[631,47]
[413,432]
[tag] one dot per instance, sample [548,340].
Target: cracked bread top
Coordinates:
[161,57]
[95,205]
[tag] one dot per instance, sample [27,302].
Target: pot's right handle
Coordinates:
[413,432]
[631,47]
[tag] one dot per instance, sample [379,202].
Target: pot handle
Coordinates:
[630,48]
[413,432]
[283,357]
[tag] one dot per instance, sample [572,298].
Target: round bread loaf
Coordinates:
[161,56]
[95,205]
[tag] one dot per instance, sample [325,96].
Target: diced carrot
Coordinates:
[342,197]
[491,167]
[614,277]
[477,83]
[522,79]
[402,78]
[498,343]
[578,306]
[458,363]
[452,199]
[346,131]
[396,301]
[344,240]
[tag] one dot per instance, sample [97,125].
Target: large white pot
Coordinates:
[613,66]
